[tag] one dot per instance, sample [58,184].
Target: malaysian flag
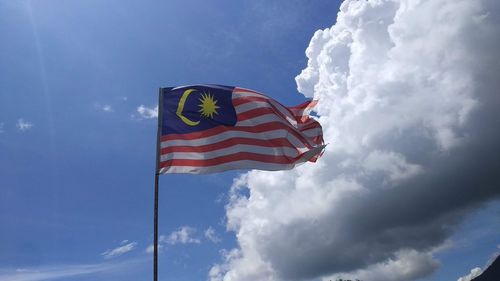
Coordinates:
[212,128]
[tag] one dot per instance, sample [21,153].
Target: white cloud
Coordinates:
[23,125]
[218,271]
[150,248]
[1,127]
[406,265]
[107,108]
[211,235]
[408,93]
[116,252]
[475,272]
[183,235]
[104,107]
[62,271]
[391,164]
[147,113]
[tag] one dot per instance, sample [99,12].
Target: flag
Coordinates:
[213,128]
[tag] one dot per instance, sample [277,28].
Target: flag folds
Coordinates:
[212,128]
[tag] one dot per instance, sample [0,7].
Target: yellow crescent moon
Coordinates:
[180,108]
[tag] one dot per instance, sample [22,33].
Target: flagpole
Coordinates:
[157,174]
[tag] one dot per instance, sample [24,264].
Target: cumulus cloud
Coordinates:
[475,272]
[406,265]
[408,93]
[147,113]
[218,271]
[23,125]
[116,252]
[211,235]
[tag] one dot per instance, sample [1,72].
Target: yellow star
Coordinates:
[208,105]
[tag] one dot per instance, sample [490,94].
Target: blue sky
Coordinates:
[80,180]
[77,158]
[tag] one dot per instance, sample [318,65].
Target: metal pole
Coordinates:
[157,173]
[155,250]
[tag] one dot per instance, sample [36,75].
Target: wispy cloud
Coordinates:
[211,235]
[23,125]
[104,107]
[61,271]
[150,248]
[116,252]
[107,108]
[1,128]
[147,112]
[184,235]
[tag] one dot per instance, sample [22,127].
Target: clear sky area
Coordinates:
[406,190]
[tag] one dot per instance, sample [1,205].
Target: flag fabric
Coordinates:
[213,128]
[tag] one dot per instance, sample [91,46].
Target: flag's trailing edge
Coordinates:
[212,128]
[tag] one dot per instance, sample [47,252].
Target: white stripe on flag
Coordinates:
[271,151]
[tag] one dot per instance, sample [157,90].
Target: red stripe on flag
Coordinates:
[252,113]
[231,158]
[261,128]
[240,101]
[242,90]
[311,124]
[278,142]
[271,126]
[295,111]
[303,124]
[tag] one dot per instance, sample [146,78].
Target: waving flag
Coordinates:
[211,128]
